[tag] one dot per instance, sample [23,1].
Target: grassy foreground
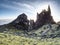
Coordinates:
[9,39]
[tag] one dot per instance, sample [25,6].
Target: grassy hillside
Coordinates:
[44,31]
[8,39]
[12,36]
[47,31]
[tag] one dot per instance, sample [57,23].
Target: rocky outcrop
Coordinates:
[31,25]
[44,18]
[21,22]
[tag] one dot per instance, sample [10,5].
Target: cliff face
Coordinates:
[21,22]
[44,18]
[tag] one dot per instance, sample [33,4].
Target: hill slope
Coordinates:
[8,39]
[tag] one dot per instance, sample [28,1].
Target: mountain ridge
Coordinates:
[43,27]
[21,22]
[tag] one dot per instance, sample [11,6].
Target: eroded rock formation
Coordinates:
[44,18]
[31,25]
[21,22]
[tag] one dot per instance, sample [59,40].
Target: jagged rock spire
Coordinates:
[49,10]
[44,18]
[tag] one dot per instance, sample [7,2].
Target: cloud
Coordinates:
[31,7]
[24,5]
[18,6]
[7,6]
[28,6]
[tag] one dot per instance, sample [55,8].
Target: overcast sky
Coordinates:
[10,9]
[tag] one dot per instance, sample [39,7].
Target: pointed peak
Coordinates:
[23,14]
[48,7]
[49,10]
[37,12]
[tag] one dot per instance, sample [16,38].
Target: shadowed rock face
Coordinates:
[31,25]
[21,22]
[44,18]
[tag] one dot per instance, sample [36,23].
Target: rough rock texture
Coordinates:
[44,18]
[31,25]
[21,22]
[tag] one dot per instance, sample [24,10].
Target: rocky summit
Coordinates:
[44,18]
[21,22]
